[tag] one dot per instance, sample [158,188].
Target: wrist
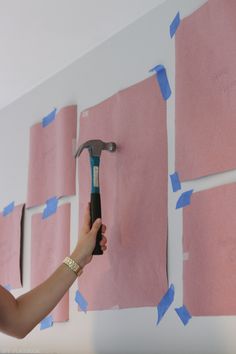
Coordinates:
[76,256]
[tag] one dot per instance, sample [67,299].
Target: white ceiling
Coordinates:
[40,37]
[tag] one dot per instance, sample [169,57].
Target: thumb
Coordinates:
[96,226]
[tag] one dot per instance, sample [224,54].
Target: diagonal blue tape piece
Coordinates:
[49,118]
[165,303]
[80,300]
[183,314]
[162,80]
[51,207]
[174,25]
[184,199]
[46,322]
[176,185]
[8,287]
[8,209]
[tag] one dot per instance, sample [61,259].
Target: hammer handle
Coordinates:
[95,213]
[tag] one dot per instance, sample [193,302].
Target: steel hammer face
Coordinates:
[95,148]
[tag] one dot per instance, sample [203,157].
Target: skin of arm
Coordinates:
[19,316]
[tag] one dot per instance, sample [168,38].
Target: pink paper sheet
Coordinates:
[51,160]
[210,243]
[50,244]
[11,233]
[132,273]
[206,91]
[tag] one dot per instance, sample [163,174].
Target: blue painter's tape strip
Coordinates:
[80,300]
[174,25]
[8,287]
[51,207]
[165,303]
[162,80]
[184,199]
[176,185]
[183,314]
[49,118]
[46,322]
[8,209]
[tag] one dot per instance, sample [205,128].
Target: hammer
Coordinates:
[95,148]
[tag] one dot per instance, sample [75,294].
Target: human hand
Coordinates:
[87,240]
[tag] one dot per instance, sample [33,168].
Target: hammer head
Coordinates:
[95,147]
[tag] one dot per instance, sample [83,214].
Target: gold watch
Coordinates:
[75,267]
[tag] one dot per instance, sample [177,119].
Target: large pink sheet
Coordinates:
[51,160]
[132,273]
[206,91]
[210,245]
[11,229]
[50,244]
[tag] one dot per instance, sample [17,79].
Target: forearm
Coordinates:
[19,316]
[39,302]
[30,308]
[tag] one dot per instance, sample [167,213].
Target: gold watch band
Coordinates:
[75,267]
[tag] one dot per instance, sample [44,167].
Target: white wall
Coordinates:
[116,64]
[39,38]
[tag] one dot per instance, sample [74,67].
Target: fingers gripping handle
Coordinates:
[95,212]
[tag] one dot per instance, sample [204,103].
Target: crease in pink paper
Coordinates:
[209,240]
[132,273]
[206,91]
[11,234]
[50,244]
[51,160]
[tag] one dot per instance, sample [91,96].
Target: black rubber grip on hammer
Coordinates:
[95,213]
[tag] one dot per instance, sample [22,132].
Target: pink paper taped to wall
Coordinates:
[209,226]
[206,91]
[132,272]
[11,234]
[49,246]
[51,160]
